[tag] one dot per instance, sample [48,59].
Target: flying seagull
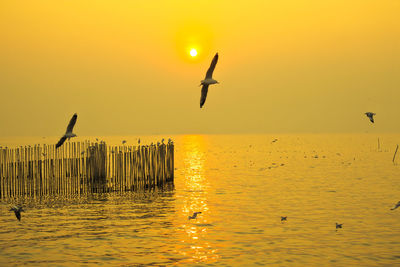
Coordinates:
[208,80]
[370,115]
[68,133]
[194,215]
[339,225]
[17,211]
[397,205]
[283,218]
[123,142]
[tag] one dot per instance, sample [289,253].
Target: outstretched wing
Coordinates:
[371,118]
[18,215]
[212,67]
[72,123]
[397,205]
[204,91]
[61,141]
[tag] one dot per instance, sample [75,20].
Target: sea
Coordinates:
[242,185]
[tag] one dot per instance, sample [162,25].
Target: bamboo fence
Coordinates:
[84,167]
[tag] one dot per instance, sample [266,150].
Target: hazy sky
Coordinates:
[125,68]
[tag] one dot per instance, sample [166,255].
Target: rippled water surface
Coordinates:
[242,184]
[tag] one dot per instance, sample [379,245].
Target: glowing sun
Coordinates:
[193,52]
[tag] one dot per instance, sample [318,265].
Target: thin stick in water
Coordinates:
[394,156]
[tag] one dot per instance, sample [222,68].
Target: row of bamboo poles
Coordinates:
[82,167]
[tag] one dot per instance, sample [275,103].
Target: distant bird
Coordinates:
[273,141]
[138,141]
[283,218]
[17,211]
[123,142]
[194,215]
[397,205]
[97,139]
[208,80]
[339,225]
[370,115]
[68,133]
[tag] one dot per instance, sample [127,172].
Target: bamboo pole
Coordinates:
[394,156]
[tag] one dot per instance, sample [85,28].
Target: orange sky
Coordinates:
[124,66]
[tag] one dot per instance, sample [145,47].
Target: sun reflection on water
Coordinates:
[196,187]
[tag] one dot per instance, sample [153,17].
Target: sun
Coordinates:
[193,52]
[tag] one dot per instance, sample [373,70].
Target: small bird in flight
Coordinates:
[68,133]
[208,80]
[194,215]
[397,205]
[283,218]
[123,142]
[370,115]
[17,211]
[339,225]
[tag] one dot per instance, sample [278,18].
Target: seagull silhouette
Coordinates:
[283,218]
[123,142]
[17,211]
[339,225]
[68,133]
[208,80]
[194,215]
[397,205]
[370,115]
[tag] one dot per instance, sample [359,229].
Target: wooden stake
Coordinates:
[394,156]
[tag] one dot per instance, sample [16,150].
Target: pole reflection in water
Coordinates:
[197,246]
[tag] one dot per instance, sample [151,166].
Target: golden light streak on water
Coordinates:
[197,186]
